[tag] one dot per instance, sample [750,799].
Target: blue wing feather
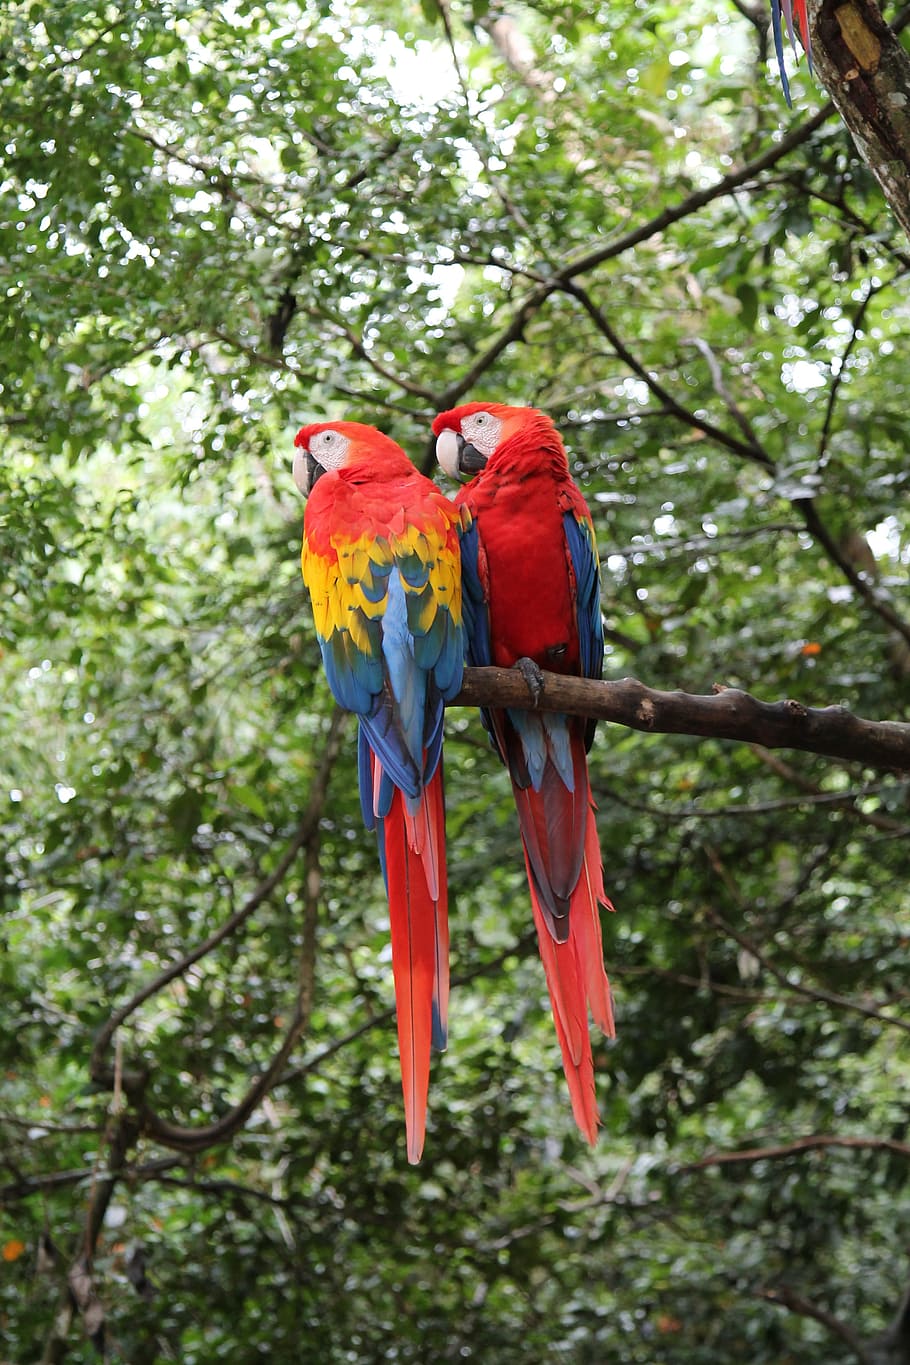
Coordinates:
[587,603]
[449,665]
[365,777]
[779,49]
[474,605]
[399,692]
[353,676]
[476,614]
[385,736]
[433,738]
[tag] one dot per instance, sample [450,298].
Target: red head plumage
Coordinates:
[475,433]
[352,446]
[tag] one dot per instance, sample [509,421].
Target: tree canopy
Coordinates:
[218,222]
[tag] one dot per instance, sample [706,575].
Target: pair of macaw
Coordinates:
[406,586]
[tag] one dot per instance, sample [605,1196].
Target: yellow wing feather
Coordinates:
[346,584]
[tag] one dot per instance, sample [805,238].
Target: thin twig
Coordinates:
[196,1139]
[858,319]
[360,350]
[815,1142]
[809,512]
[822,997]
[796,779]
[749,449]
[723,392]
[788,1298]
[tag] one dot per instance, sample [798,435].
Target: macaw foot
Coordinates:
[532,676]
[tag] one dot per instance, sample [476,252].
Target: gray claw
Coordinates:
[532,676]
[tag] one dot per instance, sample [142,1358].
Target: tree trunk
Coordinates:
[866,72]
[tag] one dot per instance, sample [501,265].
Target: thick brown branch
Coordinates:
[729,714]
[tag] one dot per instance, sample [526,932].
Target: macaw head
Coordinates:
[351,446]
[469,436]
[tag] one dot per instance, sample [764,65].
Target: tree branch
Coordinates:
[197,1139]
[723,392]
[808,510]
[869,817]
[189,1139]
[859,318]
[816,993]
[729,714]
[362,352]
[80,1293]
[55,1180]
[749,449]
[815,1142]
[788,1298]
[581,265]
[699,198]
[305,833]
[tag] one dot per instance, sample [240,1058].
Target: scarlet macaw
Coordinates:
[381,561]
[531,586]
[787,6]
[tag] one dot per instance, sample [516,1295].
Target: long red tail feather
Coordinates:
[801,9]
[575,974]
[418,915]
[585,928]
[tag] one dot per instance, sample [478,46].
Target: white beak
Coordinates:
[448,449]
[299,470]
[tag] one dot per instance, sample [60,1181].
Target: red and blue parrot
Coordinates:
[381,562]
[531,590]
[787,7]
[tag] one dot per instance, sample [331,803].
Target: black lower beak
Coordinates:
[313,470]
[470,460]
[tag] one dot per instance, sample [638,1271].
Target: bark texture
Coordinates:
[728,714]
[866,71]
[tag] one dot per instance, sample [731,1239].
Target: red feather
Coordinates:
[418,915]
